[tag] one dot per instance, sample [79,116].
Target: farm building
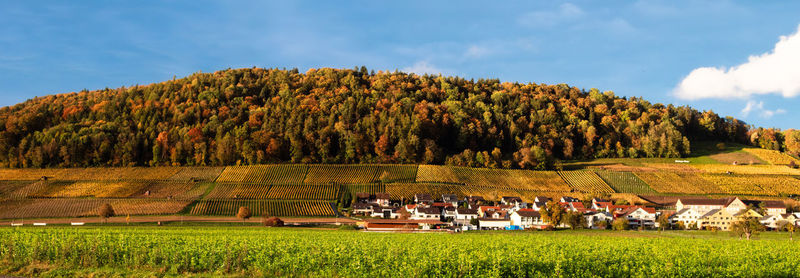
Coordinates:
[401,225]
[527,218]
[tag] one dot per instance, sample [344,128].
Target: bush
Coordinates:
[106,211]
[273,222]
[620,224]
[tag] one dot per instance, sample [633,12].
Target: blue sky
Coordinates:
[680,52]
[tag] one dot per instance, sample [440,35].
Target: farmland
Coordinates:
[147,251]
[78,192]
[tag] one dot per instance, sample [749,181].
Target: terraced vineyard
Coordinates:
[585,181]
[304,192]
[678,182]
[28,208]
[365,188]
[436,173]
[270,208]
[341,174]
[276,174]
[512,179]
[239,191]
[773,185]
[625,182]
[772,157]
[197,173]
[747,169]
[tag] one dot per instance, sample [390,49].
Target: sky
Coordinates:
[737,58]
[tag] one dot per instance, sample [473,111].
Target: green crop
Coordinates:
[330,253]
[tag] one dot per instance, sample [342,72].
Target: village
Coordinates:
[449,213]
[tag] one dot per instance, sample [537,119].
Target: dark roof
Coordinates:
[362,206]
[449,196]
[467,211]
[475,198]
[429,210]
[543,198]
[512,199]
[774,204]
[528,213]
[703,202]
[711,212]
[362,195]
[381,195]
[570,199]
[426,197]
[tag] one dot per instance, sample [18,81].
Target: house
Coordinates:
[466,214]
[426,213]
[567,199]
[410,208]
[735,205]
[774,207]
[573,206]
[541,199]
[474,199]
[639,216]
[385,212]
[594,218]
[538,205]
[449,212]
[687,216]
[513,201]
[495,212]
[527,218]
[493,224]
[718,219]
[450,198]
[362,197]
[423,199]
[600,204]
[381,199]
[361,208]
[778,220]
[702,206]
[401,224]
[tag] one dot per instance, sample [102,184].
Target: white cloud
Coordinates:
[565,12]
[422,67]
[776,72]
[476,51]
[753,106]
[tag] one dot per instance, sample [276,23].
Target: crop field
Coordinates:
[747,169]
[512,179]
[259,208]
[585,181]
[625,182]
[88,207]
[761,184]
[678,182]
[197,173]
[239,191]
[276,174]
[365,188]
[304,192]
[436,173]
[230,251]
[341,174]
[13,189]
[772,157]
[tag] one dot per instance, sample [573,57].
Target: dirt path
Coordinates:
[177,218]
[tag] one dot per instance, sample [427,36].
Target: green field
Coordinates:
[256,251]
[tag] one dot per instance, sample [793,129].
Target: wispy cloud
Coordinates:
[423,67]
[547,18]
[776,72]
[758,107]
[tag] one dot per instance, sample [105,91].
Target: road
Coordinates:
[178,218]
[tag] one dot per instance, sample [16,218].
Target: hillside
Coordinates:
[258,116]
[314,190]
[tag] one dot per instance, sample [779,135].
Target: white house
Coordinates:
[466,214]
[450,198]
[426,213]
[594,218]
[640,216]
[385,212]
[701,206]
[493,224]
[527,218]
[449,212]
[774,207]
[513,201]
[687,216]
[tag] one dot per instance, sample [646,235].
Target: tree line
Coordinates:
[256,115]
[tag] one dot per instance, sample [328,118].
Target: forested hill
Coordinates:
[253,116]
